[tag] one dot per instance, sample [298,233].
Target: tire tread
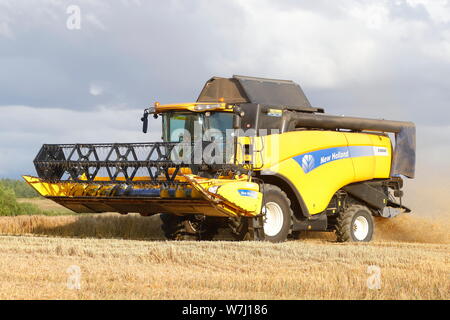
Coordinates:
[344,222]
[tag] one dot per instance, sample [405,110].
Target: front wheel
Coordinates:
[277,214]
[355,224]
[189,227]
[178,227]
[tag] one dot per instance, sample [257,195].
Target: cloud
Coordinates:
[383,59]
[95,89]
[379,59]
[91,18]
[439,10]
[24,129]
[352,56]
[5,30]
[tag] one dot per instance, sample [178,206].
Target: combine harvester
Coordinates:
[251,155]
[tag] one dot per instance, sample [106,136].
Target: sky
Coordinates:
[64,82]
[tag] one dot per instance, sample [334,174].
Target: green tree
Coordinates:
[20,188]
[10,207]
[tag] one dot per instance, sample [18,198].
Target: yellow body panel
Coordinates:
[49,189]
[318,163]
[219,106]
[229,197]
[236,197]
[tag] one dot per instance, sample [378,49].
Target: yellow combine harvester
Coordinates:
[251,155]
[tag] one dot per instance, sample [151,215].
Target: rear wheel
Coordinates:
[355,224]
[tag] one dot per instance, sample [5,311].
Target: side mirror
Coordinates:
[144,120]
[238,114]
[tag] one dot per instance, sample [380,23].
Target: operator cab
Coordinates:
[194,126]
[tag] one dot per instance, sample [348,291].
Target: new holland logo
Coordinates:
[307,163]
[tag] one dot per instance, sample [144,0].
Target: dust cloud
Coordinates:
[411,228]
[428,197]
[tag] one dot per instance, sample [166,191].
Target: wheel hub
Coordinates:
[360,228]
[273,221]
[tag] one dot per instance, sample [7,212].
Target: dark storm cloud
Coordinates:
[23,130]
[381,59]
[139,51]
[135,52]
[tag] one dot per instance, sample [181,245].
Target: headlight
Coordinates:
[202,107]
[213,189]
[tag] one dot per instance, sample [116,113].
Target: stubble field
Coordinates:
[123,257]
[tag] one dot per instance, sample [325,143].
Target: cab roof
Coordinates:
[244,89]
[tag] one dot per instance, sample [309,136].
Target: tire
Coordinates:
[277,214]
[239,228]
[178,228]
[210,227]
[190,227]
[277,221]
[355,224]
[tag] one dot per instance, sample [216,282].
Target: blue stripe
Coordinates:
[312,160]
[248,193]
[361,151]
